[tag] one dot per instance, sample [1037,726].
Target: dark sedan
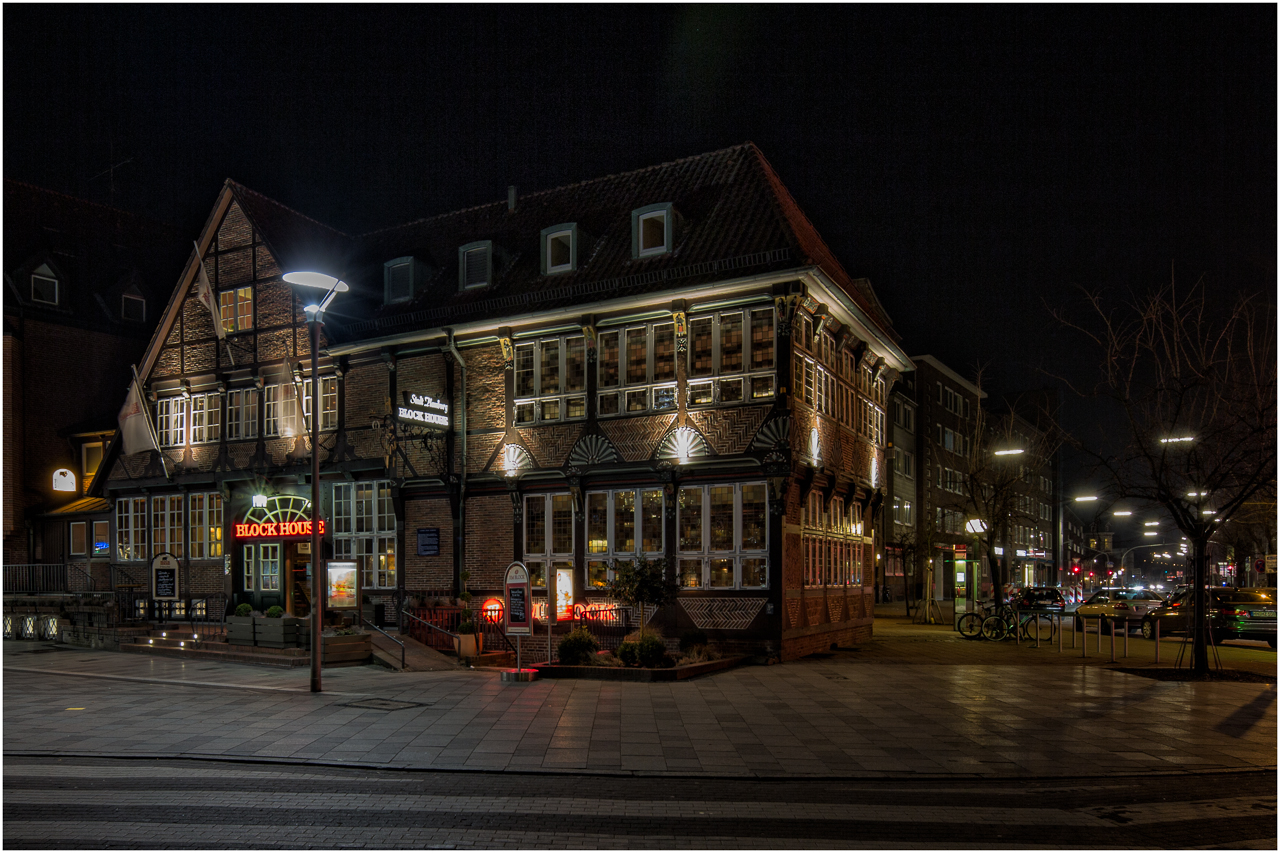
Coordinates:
[1040,598]
[1233,614]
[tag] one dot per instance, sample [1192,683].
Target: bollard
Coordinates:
[1157,641]
[1113,640]
[1099,635]
[1126,636]
[1060,634]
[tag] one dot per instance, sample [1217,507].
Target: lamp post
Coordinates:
[315,319]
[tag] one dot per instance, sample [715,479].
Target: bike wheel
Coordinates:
[970,626]
[994,628]
[1039,627]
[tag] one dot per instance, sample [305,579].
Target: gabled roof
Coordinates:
[734,215]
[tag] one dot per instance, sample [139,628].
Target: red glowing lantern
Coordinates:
[491,610]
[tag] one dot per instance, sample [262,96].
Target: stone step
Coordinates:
[223,652]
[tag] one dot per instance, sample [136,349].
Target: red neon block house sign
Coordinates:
[274,529]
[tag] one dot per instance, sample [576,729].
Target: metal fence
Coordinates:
[35,577]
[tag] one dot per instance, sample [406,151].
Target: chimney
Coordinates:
[511,199]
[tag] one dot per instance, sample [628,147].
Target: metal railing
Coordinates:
[388,636]
[122,577]
[418,630]
[35,577]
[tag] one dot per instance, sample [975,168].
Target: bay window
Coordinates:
[548,536]
[728,365]
[551,380]
[722,536]
[364,531]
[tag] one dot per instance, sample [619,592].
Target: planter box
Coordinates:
[469,645]
[240,630]
[634,673]
[279,633]
[353,648]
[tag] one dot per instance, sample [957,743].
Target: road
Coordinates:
[96,803]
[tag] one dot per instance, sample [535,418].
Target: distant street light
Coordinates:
[1013,452]
[1178,439]
[1085,498]
[1122,512]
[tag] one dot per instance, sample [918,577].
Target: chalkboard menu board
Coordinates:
[519,604]
[164,577]
[428,541]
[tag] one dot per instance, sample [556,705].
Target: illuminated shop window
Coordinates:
[548,535]
[835,551]
[364,531]
[722,536]
[731,357]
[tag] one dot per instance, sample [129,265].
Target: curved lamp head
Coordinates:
[316,279]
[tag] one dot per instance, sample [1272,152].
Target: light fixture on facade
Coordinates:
[1013,452]
[1150,533]
[975,525]
[1150,523]
[815,446]
[260,501]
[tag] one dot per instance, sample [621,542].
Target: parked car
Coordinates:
[1117,604]
[1040,598]
[1233,614]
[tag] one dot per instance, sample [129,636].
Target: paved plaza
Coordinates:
[918,701]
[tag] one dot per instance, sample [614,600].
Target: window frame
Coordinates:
[705,553]
[71,539]
[543,562]
[133,515]
[377,541]
[171,420]
[487,247]
[168,513]
[535,403]
[57,289]
[243,403]
[239,320]
[835,553]
[549,234]
[610,553]
[639,217]
[387,268]
[207,519]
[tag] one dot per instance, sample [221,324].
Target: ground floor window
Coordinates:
[265,569]
[835,551]
[722,540]
[622,524]
[375,556]
[364,530]
[548,535]
[131,529]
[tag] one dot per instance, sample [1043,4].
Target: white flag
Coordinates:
[204,292]
[135,427]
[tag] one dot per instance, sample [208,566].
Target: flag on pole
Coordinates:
[135,426]
[204,292]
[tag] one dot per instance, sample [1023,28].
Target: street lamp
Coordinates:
[1062,529]
[315,319]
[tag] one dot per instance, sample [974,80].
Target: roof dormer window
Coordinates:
[44,286]
[133,308]
[400,278]
[651,230]
[475,264]
[560,248]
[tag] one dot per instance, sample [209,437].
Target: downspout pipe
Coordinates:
[460,535]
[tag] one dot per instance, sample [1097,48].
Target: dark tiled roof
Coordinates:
[734,216]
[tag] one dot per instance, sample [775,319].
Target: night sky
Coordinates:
[973,163]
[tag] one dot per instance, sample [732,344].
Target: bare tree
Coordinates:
[1190,383]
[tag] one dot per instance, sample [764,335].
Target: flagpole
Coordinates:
[204,291]
[146,412]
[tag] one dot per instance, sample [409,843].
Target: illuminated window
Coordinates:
[90,459]
[548,535]
[205,534]
[719,347]
[722,540]
[102,539]
[76,533]
[364,529]
[166,525]
[206,418]
[171,421]
[131,529]
[551,380]
[236,307]
[242,414]
[328,399]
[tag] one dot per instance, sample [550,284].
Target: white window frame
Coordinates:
[328,400]
[834,550]
[168,514]
[388,270]
[640,217]
[536,408]
[242,414]
[235,308]
[364,530]
[132,528]
[206,418]
[610,552]
[71,539]
[545,559]
[205,535]
[105,538]
[171,421]
[705,554]
[556,232]
[125,299]
[57,288]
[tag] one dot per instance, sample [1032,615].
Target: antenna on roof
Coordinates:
[511,199]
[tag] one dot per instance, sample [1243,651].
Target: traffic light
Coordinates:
[1075,570]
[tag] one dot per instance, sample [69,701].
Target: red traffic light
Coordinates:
[1075,569]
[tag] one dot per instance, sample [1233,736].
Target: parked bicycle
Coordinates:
[970,624]
[1005,622]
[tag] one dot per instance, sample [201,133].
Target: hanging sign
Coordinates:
[422,410]
[64,481]
[519,613]
[164,577]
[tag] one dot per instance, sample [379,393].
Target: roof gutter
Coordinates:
[894,354]
[459,534]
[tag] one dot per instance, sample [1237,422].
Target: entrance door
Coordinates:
[299,579]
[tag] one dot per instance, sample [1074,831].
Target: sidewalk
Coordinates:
[916,701]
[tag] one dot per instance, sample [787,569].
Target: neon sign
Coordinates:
[274,529]
[424,410]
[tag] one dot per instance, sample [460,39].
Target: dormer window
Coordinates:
[133,309]
[560,248]
[44,286]
[400,278]
[651,230]
[475,264]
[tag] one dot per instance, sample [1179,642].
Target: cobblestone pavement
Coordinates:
[130,803]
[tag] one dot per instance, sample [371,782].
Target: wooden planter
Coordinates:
[469,645]
[281,633]
[240,630]
[353,648]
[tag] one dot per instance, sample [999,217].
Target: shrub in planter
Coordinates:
[275,612]
[629,653]
[651,651]
[244,610]
[578,648]
[689,639]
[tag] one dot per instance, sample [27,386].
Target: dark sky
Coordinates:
[972,162]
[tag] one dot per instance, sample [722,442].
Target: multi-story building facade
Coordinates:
[946,427]
[900,538]
[668,364]
[83,285]
[1032,520]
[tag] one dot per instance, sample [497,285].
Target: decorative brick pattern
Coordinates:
[235,268]
[722,613]
[729,431]
[636,438]
[835,606]
[480,450]
[486,387]
[813,610]
[550,445]
[266,264]
[235,229]
[793,612]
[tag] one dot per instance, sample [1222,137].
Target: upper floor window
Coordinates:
[90,459]
[133,308]
[242,413]
[551,380]
[206,418]
[636,369]
[399,280]
[651,230]
[328,402]
[952,401]
[475,264]
[904,416]
[171,421]
[724,349]
[44,286]
[236,307]
[560,248]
